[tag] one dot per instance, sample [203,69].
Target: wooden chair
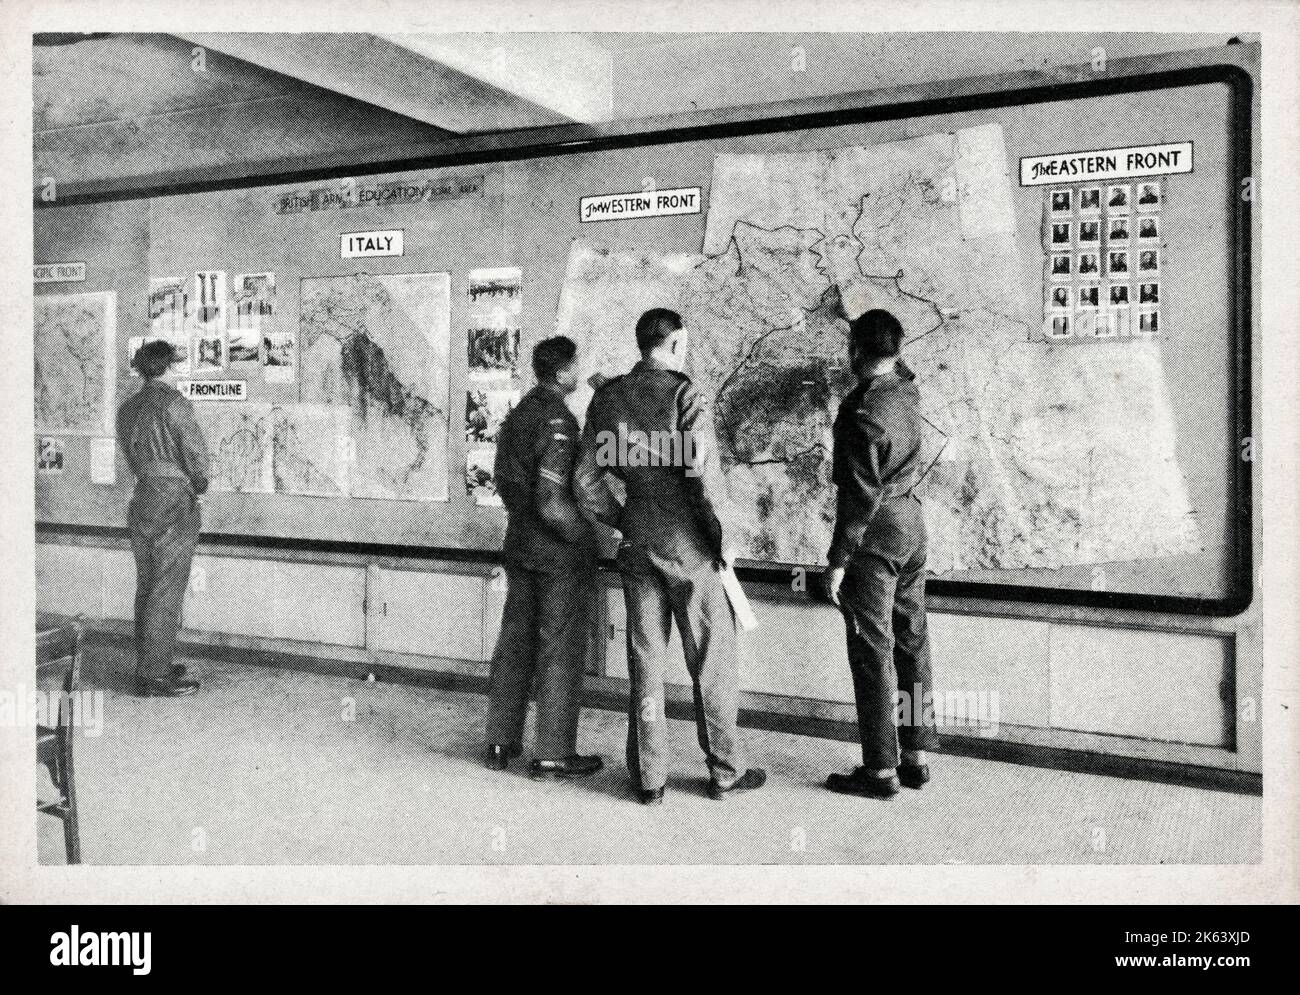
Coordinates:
[60,645]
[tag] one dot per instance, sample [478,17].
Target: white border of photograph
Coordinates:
[1065,243]
[1144,272]
[1142,286]
[1155,220]
[1127,206]
[1050,325]
[1089,210]
[1069,266]
[1137,196]
[1146,312]
[1095,272]
[1123,219]
[1058,290]
[1110,295]
[1069,199]
[1127,271]
[1089,305]
[1096,224]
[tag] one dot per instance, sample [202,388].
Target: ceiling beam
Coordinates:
[379,71]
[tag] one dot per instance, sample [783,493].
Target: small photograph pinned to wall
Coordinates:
[1119,295]
[1118,198]
[1060,266]
[1149,261]
[1062,201]
[479,483]
[279,357]
[499,287]
[254,298]
[1149,229]
[1089,264]
[209,352]
[1149,293]
[1060,297]
[493,352]
[168,306]
[1117,264]
[49,456]
[1062,232]
[485,410]
[1090,296]
[1118,231]
[1090,200]
[1149,321]
[1089,231]
[1059,326]
[1148,196]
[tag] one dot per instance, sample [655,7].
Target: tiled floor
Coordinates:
[273,766]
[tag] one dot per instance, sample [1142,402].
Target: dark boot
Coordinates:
[498,757]
[863,784]
[574,766]
[751,780]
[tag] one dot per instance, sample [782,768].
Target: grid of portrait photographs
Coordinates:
[1102,242]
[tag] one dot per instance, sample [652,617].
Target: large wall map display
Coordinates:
[1039,456]
[75,339]
[379,347]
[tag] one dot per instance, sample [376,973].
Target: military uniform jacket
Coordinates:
[537,445]
[160,436]
[876,465]
[669,511]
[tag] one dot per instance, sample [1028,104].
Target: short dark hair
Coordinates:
[876,334]
[654,326]
[551,355]
[153,358]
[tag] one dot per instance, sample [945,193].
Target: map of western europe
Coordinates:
[1037,457]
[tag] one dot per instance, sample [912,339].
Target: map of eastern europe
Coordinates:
[378,347]
[1037,455]
[75,336]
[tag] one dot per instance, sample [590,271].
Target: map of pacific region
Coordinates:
[1031,459]
[379,346]
[74,338]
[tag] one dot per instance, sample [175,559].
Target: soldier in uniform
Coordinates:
[550,556]
[876,571]
[671,548]
[165,450]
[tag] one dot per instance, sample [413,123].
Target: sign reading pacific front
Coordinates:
[1136,160]
[641,204]
[364,244]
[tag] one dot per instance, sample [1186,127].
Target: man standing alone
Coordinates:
[876,571]
[165,450]
[550,572]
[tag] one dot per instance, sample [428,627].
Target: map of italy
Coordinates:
[1038,456]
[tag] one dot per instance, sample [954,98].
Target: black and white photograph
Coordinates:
[830,532]
[1148,196]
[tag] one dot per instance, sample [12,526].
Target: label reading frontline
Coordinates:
[651,204]
[59,273]
[213,390]
[1137,160]
[364,244]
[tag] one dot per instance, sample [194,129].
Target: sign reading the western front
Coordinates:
[1136,160]
[363,244]
[214,390]
[59,273]
[646,204]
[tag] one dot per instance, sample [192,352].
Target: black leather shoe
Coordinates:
[149,687]
[650,796]
[913,775]
[748,781]
[862,784]
[574,766]
[498,757]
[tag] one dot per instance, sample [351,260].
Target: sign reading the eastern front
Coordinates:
[641,204]
[1137,160]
